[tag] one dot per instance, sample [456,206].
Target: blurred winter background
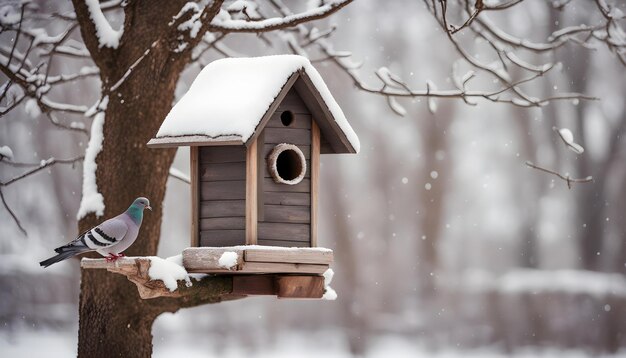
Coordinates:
[446,244]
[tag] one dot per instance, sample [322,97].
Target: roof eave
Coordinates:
[339,142]
[193,140]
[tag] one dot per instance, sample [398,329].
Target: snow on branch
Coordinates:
[36,82]
[224,23]
[105,33]
[6,157]
[92,201]
[132,67]
[35,167]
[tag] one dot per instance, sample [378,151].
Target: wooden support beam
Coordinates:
[254,285]
[299,286]
[195,195]
[283,286]
[315,179]
[275,267]
[251,193]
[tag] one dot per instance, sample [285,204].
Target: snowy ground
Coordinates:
[52,344]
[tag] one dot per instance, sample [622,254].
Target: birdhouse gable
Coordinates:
[232,100]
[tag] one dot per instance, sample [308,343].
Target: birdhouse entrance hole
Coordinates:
[287,118]
[287,164]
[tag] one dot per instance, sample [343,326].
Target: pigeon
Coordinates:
[109,239]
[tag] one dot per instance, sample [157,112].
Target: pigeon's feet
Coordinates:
[112,257]
[121,254]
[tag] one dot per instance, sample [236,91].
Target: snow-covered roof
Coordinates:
[230,97]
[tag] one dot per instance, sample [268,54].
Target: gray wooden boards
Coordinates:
[221,194]
[257,260]
[310,102]
[285,210]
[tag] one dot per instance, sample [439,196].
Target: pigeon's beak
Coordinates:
[149,207]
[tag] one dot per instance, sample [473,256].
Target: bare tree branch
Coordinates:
[38,167]
[15,219]
[289,20]
[570,181]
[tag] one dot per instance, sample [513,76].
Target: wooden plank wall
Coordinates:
[222,194]
[286,209]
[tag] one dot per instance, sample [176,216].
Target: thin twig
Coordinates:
[15,219]
[42,165]
[570,181]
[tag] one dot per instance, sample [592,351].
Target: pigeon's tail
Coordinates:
[77,246]
[57,258]
[62,255]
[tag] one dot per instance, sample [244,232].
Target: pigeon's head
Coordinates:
[142,203]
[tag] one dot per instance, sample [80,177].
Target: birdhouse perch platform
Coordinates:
[257,259]
[247,270]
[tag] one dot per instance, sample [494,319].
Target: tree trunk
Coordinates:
[114,321]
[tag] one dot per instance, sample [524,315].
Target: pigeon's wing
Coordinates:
[77,245]
[106,234]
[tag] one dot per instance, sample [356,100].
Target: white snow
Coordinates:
[92,201]
[77,125]
[239,6]
[328,276]
[172,340]
[228,259]
[566,135]
[176,259]
[169,270]
[329,293]
[9,14]
[106,35]
[568,138]
[194,23]
[32,108]
[396,106]
[230,96]
[6,152]
[180,175]
[432,103]
[129,71]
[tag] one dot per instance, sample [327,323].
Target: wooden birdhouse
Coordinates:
[256,128]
